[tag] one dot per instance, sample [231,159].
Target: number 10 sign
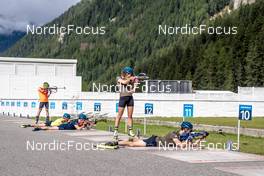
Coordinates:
[245,112]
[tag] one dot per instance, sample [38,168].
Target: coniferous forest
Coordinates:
[132,38]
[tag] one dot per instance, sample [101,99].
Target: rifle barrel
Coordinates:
[57,88]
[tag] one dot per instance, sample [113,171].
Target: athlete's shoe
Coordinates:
[115,143]
[108,145]
[115,138]
[36,129]
[25,125]
[48,123]
[131,133]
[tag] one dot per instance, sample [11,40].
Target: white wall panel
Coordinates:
[7,69]
[25,69]
[64,70]
[45,70]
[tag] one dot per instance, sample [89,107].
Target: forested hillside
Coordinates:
[132,38]
[219,61]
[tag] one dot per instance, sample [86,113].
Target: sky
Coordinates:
[16,14]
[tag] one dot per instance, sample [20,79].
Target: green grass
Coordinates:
[248,144]
[257,122]
[44,118]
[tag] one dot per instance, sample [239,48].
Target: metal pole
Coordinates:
[126,125]
[238,135]
[110,129]
[145,126]
[138,133]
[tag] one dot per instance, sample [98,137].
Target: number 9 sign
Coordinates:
[245,112]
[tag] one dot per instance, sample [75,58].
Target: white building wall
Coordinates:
[21,77]
[163,105]
[37,67]
[17,87]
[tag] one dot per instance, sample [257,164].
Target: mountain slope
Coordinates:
[212,62]
[7,40]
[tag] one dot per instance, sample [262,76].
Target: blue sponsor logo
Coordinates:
[33,105]
[52,105]
[78,106]
[64,105]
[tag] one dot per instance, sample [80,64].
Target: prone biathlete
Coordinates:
[181,138]
[127,85]
[65,119]
[76,124]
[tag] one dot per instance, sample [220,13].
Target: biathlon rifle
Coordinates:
[194,135]
[142,77]
[199,135]
[94,118]
[54,89]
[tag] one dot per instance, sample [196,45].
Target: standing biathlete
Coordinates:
[127,85]
[44,94]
